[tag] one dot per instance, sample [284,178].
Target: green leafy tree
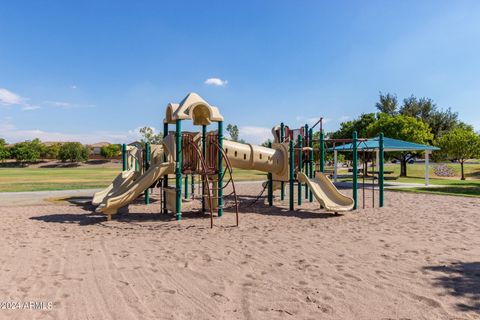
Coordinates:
[461,144]
[111,151]
[403,128]
[27,151]
[53,151]
[360,125]
[440,121]
[4,151]
[73,152]
[149,135]
[233,131]
[388,104]
[267,143]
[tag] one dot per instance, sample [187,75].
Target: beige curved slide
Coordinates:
[326,193]
[111,204]
[123,179]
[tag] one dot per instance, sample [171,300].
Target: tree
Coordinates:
[388,104]
[27,151]
[149,135]
[267,143]
[360,125]
[53,151]
[73,151]
[4,151]
[440,121]
[233,131]
[403,128]
[461,144]
[111,151]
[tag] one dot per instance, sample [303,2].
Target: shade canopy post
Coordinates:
[427,174]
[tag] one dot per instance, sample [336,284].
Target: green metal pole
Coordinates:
[270,184]
[381,171]
[124,157]
[146,166]
[307,163]
[282,139]
[300,164]
[204,154]
[322,152]
[220,169]
[186,187]
[178,169]
[165,178]
[292,164]
[310,154]
[355,169]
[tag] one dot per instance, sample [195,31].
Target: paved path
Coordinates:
[8,199]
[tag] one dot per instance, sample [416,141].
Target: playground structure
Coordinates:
[289,159]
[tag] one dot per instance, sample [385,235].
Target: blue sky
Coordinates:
[98,70]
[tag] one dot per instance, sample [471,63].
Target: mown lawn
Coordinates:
[42,179]
[453,185]
[38,179]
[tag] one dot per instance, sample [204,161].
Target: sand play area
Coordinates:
[417,258]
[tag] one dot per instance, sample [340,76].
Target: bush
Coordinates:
[73,152]
[4,151]
[52,151]
[28,151]
[111,151]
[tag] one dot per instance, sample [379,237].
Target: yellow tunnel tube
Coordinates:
[251,157]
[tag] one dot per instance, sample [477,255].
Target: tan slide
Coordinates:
[111,204]
[123,179]
[326,193]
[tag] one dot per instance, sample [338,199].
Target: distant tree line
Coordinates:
[34,150]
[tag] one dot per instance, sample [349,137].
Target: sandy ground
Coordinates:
[417,258]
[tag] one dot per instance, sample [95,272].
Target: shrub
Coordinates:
[52,151]
[111,151]
[73,151]
[4,151]
[28,151]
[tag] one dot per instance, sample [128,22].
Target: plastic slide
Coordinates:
[124,178]
[111,203]
[326,193]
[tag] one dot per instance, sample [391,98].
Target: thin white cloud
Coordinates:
[61,104]
[309,120]
[65,105]
[344,118]
[28,107]
[73,86]
[9,98]
[13,134]
[216,82]
[255,135]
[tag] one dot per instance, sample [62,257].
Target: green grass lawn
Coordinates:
[453,185]
[41,179]
[37,179]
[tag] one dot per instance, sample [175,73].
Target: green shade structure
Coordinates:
[389,145]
